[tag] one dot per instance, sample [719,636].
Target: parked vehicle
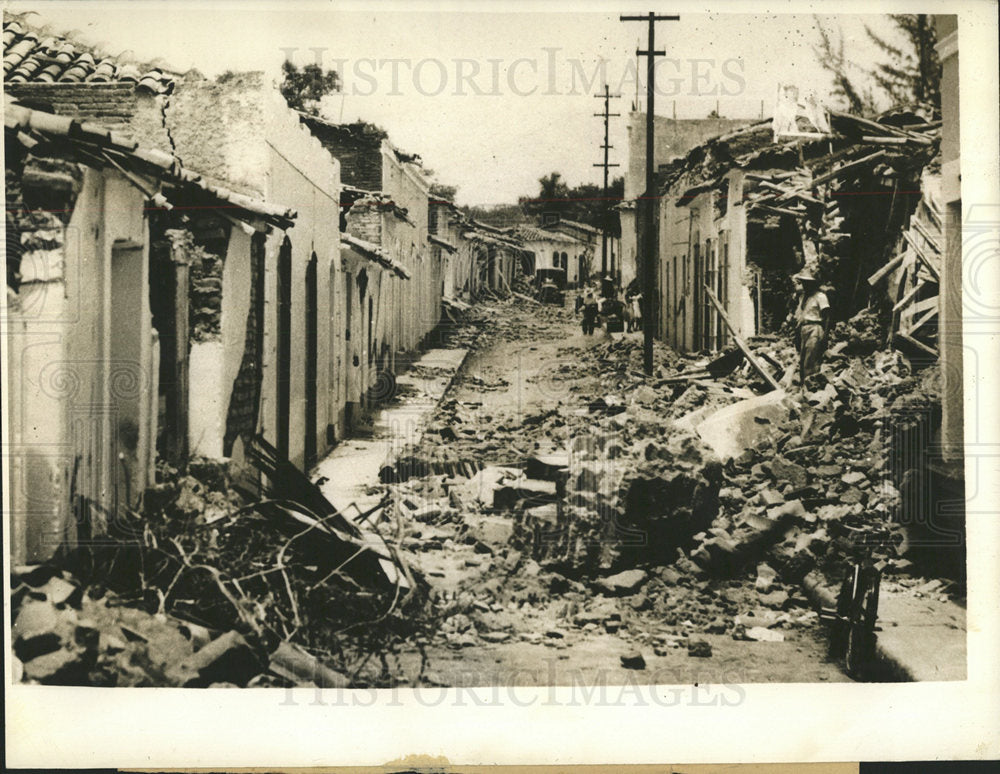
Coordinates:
[550,286]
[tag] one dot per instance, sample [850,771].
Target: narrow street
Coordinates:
[506,620]
[291,409]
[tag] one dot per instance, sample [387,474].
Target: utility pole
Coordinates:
[606,96]
[649,198]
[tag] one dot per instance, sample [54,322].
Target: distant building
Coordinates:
[672,139]
[552,249]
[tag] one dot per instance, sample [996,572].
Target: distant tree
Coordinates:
[585,203]
[911,73]
[304,88]
[499,215]
[442,191]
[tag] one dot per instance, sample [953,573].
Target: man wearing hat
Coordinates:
[813,318]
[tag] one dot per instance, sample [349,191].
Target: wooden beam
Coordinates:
[909,296]
[887,269]
[781,211]
[844,168]
[918,344]
[930,315]
[800,196]
[751,358]
[933,241]
[922,256]
[923,306]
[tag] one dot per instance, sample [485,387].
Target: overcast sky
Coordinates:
[491,101]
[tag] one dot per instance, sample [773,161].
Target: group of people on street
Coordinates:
[618,315]
[812,317]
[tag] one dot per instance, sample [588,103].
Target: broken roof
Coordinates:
[899,133]
[444,243]
[534,234]
[31,56]
[45,134]
[374,252]
[573,224]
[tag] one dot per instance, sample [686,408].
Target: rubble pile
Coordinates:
[206,588]
[819,492]
[610,513]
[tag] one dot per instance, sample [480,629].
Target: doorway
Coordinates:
[284,353]
[312,356]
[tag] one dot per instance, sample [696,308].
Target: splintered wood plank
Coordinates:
[929,316]
[751,358]
[887,269]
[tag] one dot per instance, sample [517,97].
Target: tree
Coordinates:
[443,192]
[304,88]
[585,203]
[911,74]
[915,74]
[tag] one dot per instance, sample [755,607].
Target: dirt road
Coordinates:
[508,621]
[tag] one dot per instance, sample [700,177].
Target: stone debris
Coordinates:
[608,515]
[633,660]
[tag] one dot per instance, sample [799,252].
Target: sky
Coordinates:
[490,100]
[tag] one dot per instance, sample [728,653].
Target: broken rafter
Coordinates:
[887,269]
[847,167]
[747,352]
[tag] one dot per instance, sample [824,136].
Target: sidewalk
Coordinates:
[352,467]
[922,634]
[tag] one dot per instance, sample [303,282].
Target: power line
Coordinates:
[606,96]
[649,241]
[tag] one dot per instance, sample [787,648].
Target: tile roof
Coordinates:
[533,234]
[30,56]
[47,134]
[575,224]
[374,252]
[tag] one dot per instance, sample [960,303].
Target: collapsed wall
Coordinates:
[620,506]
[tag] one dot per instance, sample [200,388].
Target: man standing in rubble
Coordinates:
[812,318]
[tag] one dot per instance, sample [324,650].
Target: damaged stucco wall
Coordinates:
[82,379]
[696,229]
[304,176]
[256,145]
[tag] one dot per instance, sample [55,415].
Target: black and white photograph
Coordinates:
[601,357]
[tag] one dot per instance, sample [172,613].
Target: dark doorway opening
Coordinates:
[284,373]
[312,356]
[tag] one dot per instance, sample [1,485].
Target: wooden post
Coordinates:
[650,198]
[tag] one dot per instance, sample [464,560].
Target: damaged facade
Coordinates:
[741,214]
[86,347]
[261,289]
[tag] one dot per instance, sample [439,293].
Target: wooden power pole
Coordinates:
[606,96]
[650,197]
